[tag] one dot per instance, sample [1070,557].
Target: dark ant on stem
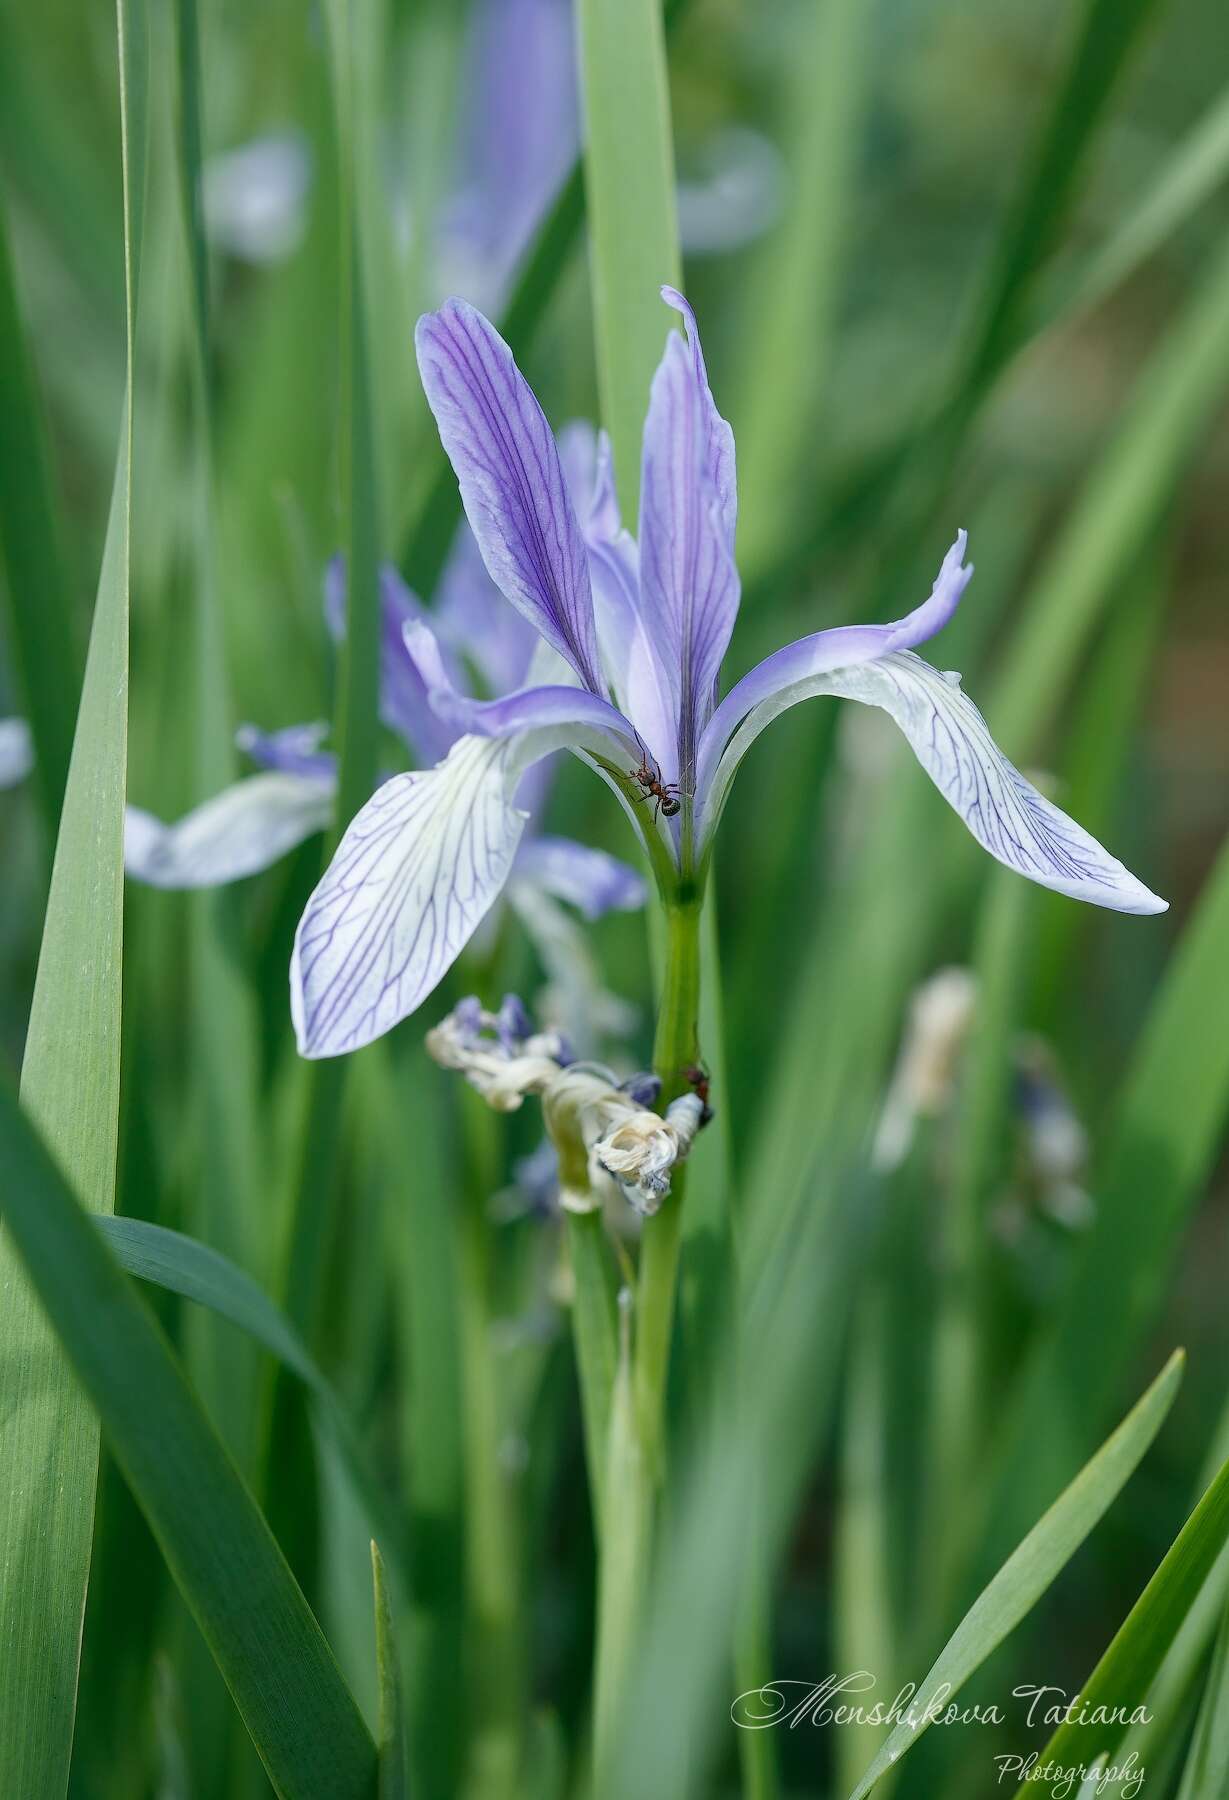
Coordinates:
[665,795]
[697,1078]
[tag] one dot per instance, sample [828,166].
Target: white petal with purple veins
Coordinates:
[952,741]
[240,831]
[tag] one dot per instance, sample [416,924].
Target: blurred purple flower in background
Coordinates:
[633,636]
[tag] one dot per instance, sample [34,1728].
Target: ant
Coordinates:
[648,775]
[697,1078]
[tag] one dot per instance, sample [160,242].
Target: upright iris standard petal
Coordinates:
[239,832]
[512,483]
[838,648]
[689,583]
[952,741]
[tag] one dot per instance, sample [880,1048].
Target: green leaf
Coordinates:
[268,1646]
[791,307]
[1032,1566]
[183,1266]
[595,1329]
[1195,168]
[633,224]
[1207,1767]
[70,1087]
[222,1016]
[392,1713]
[1121,1679]
[41,634]
[1158,1152]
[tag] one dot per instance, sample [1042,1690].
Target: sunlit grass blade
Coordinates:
[225,1561]
[1194,169]
[70,1086]
[41,633]
[791,303]
[1032,1566]
[392,1746]
[1157,1152]
[1207,1766]
[632,214]
[199,1273]
[1121,1679]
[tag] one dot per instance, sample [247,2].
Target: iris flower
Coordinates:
[249,825]
[636,630]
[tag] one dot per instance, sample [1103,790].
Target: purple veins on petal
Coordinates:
[411,880]
[689,583]
[840,647]
[1004,812]
[511,479]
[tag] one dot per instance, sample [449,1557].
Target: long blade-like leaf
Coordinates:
[1121,1679]
[1032,1566]
[70,1086]
[633,225]
[272,1653]
[30,540]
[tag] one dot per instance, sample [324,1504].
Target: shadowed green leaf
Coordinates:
[219,1549]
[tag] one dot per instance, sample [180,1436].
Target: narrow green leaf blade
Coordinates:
[272,1654]
[1121,1679]
[633,224]
[70,1086]
[1032,1566]
[41,627]
[392,1746]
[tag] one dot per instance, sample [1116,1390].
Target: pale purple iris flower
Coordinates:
[257,820]
[636,630]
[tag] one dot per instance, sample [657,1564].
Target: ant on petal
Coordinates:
[665,795]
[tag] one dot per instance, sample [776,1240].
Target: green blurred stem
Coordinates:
[496,1650]
[674,1049]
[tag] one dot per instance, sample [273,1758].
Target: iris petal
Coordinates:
[511,479]
[951,740]
[239,832]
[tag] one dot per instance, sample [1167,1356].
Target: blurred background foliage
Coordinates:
[968,287]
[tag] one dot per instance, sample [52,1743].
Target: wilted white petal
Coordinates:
[952,741]
[240,831]
[16,752]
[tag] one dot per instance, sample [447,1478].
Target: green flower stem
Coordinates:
[674,1050]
